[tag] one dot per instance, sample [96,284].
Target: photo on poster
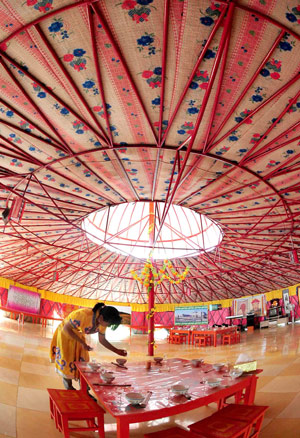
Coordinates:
[191,315]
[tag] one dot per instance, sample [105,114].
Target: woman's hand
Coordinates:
[87,347]
[121,352]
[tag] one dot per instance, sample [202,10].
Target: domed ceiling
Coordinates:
[193,102]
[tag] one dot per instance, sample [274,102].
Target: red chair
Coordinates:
[68,406]
[254,415]
[174,432]
[201,341]
[234,421]
[178,339]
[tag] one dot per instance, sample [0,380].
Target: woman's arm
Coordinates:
[103,341]
[68,329]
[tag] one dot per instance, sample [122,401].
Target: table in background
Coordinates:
[214,332]
[159,379]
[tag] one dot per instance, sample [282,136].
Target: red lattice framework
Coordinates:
[181,125]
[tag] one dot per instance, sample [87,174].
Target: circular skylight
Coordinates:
[126,229]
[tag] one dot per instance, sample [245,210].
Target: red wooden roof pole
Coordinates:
[71,81]
[201,56]
[151,288]
[257,109]
[163,77]
[255,146]
[121,57]
[217,95]
[240,98]
[201,112]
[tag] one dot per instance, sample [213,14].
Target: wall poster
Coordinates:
[195,315]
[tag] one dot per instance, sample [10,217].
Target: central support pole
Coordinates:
[151,297]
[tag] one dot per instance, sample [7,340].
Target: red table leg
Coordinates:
[122,428]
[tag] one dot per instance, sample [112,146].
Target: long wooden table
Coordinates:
[159,380]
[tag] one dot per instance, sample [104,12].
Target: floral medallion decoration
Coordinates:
[153,77]
[76,59]
[100,110]
[210,14]
[272,69]
[146,45]
[293,14]
[200,80]
[40,5]
[151,276]
[57,29]
[242,115]
[138,10]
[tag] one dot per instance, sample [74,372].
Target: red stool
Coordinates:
[227,339]
[253,415]
[174,432]
[217,426]
[63,394]
[178,339]
[200,341]
[69,407]
[238,337]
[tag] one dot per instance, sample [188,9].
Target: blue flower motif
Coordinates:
[238,119]
[55,27]
[41,94]
[233,138]
[289,152]
[79,52]
[257,98]
[193,110]
[156,101]
[193,85]
[181,131]
[243,151]
[112,128]
[298,104]
[32,148]
[284,45]
[12,135]
[88,84]
[291,17]
[9,113]
[64,111]
[145,40]
[209,54]
[207,21]
[144,2]
[264,72]
[157,71]
[79,131]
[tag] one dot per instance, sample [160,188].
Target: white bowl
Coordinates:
[121,361]
[107,377]
[134,398]
[236,372]
[217,366]
[213,383]
[196,362]
[158,359]
[94,366]
[180,389]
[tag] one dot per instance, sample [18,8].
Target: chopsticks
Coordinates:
[111,384]
[118,365]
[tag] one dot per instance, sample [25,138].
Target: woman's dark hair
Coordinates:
[110,314]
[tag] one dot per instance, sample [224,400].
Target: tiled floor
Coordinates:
[25,373]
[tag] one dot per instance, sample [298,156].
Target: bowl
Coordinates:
[121,361]
[179,389]
[217,366]
[196,362]
[213,383]
[134,398]
[236,372]
[158,359]
[107,377]
[94,366]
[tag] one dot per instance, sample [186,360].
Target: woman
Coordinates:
[69,343]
